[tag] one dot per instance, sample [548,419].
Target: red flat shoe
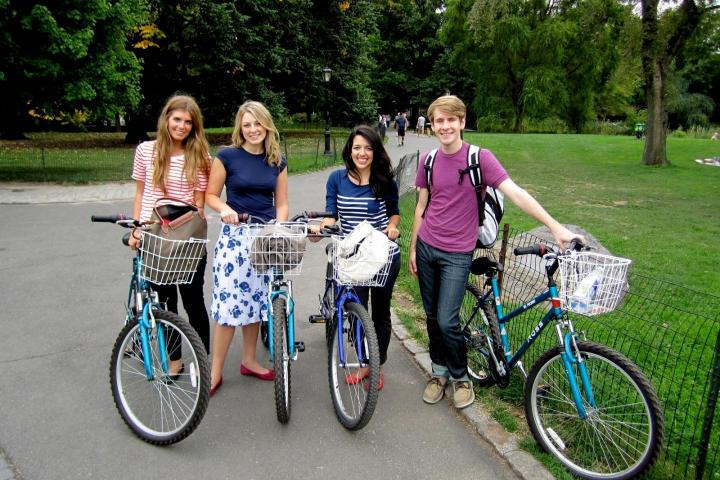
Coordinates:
[269,375]
[353,378]
[213,390]
[381,383]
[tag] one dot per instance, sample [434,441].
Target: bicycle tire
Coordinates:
[265,334]
[329,303]
[354,403]
[485,323]
[161,411]
[281,360]
[621,437]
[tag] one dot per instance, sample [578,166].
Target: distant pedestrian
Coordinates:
[402,123]
[382,126]
[420,127]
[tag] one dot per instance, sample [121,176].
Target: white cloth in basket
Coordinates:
[362,254]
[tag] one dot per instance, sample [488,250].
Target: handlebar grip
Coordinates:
[243,217]
[108,218]
[320,215]
[537,249]
[576,244]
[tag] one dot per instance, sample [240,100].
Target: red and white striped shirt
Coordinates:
[176,183]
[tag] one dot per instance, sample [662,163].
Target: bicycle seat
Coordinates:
[483,265]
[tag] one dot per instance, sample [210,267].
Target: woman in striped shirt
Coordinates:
[175,166]
[365,190]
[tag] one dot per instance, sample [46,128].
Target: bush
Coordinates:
[492,124]
[604,127]
[546,125]
[679,133]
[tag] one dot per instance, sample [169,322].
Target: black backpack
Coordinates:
[490,201]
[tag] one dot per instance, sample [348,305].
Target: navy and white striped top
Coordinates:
[352,203]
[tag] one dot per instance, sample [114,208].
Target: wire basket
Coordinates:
[278,245]
[592,283]
[361,270]
[170,262]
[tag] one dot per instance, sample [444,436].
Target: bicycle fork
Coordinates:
[571,356]
[358,337]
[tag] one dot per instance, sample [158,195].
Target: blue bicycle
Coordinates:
[277,249]
[349,330]
[159,406]
[586,404]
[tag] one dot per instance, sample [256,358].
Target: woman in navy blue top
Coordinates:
[255,177]
[365,190]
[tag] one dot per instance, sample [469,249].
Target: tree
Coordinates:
[538,59]
[405,54]
[66,60]
[663,37]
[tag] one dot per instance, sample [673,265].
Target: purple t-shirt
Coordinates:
[451,219]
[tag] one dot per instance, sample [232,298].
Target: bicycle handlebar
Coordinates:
[541,250]
[119,219]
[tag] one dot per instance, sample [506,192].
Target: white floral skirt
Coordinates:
[239,292]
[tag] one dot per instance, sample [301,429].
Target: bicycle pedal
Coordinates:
[316,318]
[300,346]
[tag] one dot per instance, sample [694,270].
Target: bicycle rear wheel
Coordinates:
[163,410]
[479,332]
[354,399]
[281,360]
[622,434]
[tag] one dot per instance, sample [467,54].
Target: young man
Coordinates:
[443,240]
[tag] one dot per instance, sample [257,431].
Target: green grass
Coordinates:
[100,157]
[666,220]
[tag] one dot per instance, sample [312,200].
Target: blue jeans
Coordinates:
[442,277]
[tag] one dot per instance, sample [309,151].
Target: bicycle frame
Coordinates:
[279,287]
[145,300]
[566,340]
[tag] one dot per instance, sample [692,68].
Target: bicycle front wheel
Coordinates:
[281,360]
[164,409]
[354,395]
[622,433]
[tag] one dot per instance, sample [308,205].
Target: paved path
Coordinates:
[63,283]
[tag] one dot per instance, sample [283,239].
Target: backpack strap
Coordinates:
[429,161]
[428,165]
[473,161]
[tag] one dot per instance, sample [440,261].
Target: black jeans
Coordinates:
[193,300]
[380,311]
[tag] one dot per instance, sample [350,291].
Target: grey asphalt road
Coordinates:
[64,282]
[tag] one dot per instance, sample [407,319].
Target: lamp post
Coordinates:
[326,72]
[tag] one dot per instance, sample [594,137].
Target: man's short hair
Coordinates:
[449,104]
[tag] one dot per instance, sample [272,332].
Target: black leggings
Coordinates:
[380,311]
[193,300]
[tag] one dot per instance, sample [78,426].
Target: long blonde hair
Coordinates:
[197,149]
[262,115]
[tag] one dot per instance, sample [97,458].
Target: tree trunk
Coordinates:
[655,152]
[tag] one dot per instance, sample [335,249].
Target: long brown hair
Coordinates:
[197,149]
[381,172]
[262,115]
